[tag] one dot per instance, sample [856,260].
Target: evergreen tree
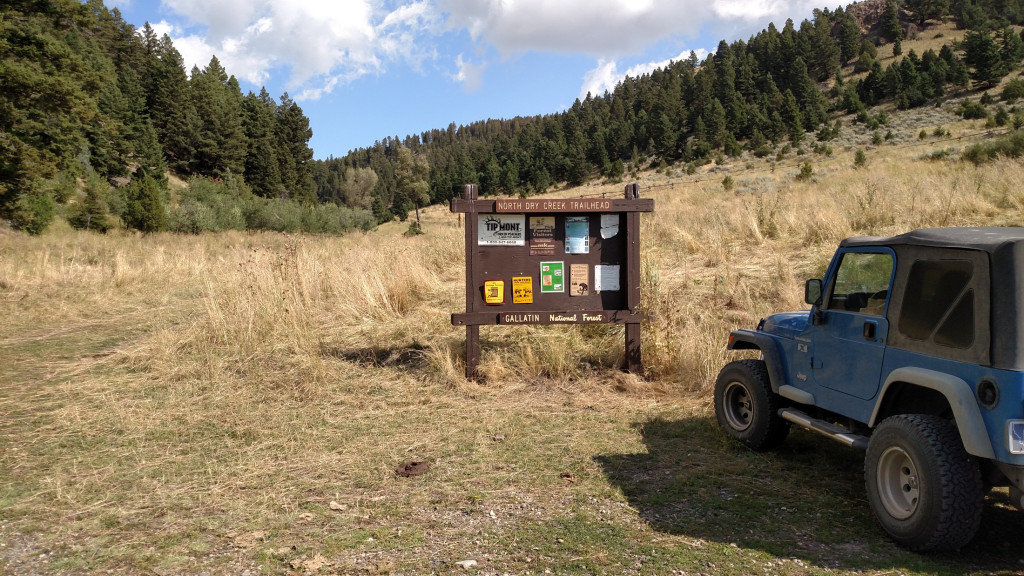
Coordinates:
[220,143]
[145,210]
[928,9]
[262,171]
[982,54]
[92,212]
[892,30]
[171,108]
[849,37]
[293,152]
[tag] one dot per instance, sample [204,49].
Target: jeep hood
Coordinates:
[786,324]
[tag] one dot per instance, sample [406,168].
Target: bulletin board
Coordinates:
[552,261]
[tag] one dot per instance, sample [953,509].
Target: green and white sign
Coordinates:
[552,277]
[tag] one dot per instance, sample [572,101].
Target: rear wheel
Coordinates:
[923,487]
[746,407]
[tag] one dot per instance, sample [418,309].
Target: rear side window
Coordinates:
[938,304]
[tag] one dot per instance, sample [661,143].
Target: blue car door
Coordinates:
[848,341]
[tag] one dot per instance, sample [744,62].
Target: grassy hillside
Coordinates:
[238,403]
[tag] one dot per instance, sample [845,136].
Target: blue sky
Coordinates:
[363,70]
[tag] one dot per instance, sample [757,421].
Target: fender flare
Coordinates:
[960,397]
[744,339]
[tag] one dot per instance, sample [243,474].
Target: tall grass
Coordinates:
[170,393]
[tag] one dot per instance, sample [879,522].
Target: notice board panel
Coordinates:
[552,261]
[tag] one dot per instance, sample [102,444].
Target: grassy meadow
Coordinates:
[238,403]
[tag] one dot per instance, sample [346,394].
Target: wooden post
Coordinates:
[472,331]
[634,361]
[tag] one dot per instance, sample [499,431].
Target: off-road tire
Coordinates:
[746,407]
[923,487]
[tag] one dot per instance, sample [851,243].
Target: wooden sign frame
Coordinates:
[553,261]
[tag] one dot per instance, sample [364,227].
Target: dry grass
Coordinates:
[179,404]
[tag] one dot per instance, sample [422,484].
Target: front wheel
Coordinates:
[746,407]
[923,487]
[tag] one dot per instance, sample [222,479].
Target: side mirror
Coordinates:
[812,292]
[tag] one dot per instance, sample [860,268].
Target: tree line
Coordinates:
[96,112]
[756,95]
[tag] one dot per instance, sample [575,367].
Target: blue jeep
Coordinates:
[913,350]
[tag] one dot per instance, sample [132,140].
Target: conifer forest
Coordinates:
[97,115]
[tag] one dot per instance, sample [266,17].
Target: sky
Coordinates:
[363,70]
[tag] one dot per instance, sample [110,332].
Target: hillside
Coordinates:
[179,404]
[97,112]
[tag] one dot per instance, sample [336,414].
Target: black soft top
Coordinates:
[998,279]
[985,239]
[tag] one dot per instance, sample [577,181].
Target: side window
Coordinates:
[862,283]
[939,303]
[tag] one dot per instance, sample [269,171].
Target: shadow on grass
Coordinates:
[804,500]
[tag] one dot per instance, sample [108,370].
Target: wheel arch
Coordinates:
[750,340]
[935,392]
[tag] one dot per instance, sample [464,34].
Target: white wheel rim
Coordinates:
[739,409]
[898,483]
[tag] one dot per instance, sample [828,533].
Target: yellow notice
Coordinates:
[494,292]
[522,290]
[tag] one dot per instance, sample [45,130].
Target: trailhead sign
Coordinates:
[552,261]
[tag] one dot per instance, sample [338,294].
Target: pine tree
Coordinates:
[849,37]
[220,143]
[293,152]
[145,210]
[982,54]
[171,108]
[892,30]
[928,9]
[262,171]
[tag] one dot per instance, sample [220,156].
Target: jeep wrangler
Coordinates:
[913,351]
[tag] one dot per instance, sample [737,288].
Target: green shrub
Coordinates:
[970,110]
[860,159]
[1011,145]
[1013,91]
[33,212]
[1002,117]
[806,172]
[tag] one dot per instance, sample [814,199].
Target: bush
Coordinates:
[970,110]
[414,229]
[1002,117]
[145,208]
[1013,91]
[728,183]
[806,172]
[860,159]
[33,212]
[1011,145]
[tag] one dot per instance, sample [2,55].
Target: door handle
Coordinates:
[870,329]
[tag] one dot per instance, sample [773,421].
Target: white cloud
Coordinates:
[469,75]
[324,43]
[606,76]
[608,28]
